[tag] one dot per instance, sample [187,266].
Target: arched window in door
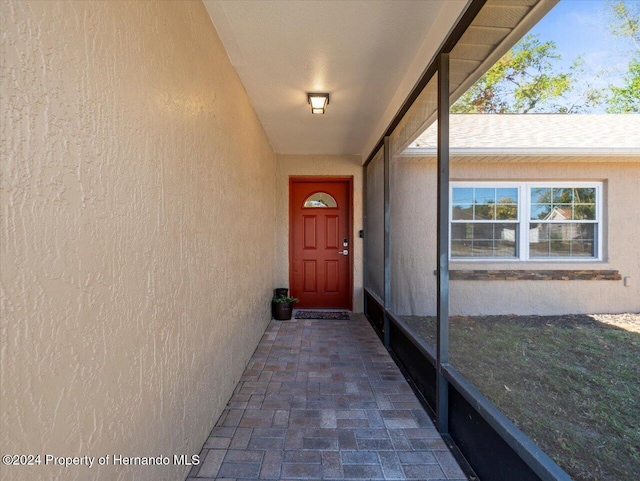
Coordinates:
[320,200]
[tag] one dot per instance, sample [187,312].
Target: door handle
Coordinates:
[344,252]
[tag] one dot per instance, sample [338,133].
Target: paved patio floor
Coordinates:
[323,400]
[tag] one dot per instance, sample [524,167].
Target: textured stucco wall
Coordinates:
[138,203]
[412,210]
[413,256]
[317,165]
[374,228]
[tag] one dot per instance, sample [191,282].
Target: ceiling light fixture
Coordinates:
[318,102]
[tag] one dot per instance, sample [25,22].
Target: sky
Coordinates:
[579,28]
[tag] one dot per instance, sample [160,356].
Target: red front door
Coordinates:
[320,243]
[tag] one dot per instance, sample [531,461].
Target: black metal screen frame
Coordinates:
[493,446]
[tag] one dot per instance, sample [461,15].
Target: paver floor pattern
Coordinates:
[324,400]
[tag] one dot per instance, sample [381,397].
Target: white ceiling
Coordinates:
[367,54]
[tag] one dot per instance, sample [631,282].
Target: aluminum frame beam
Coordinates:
[442,347]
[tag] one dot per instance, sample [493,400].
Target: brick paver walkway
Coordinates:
[323,400]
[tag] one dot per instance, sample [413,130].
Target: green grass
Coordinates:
[570,383]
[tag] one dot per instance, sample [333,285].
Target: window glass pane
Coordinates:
[538,233]
[539,240]
[540,196]
[559,248]
[540,211]
[506,240]
[485,204]
[462,204]
[461,235]
[507,211]
[484,239]
[482,231]
[562,196]
[507,232]
[461,248]
[562,240]
[583,249]
[507,196]
[585,196]
[586,232]
[463,212]
[485,196]
[504,249]
[485,212]
[584,212]
[559,204]
[461,230]
[462,196]
[320,200]
[507,204]
[561,212]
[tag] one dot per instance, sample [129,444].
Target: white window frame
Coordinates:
[524,220]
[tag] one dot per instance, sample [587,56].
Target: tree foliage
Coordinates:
[523,80]
[626,20]
[626,99]
[626,23]
[527,78]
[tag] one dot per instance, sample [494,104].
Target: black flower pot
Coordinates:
[282,310]
[280,292]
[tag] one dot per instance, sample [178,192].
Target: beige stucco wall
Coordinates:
[374,228]
[413,256]
[412,215]
[317,165]
[138,194]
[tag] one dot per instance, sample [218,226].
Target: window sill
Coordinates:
[532,260]
[534,275]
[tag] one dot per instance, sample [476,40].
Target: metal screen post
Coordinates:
[387,231]
[365,251]
[442,385]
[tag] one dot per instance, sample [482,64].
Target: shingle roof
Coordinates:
[537,134]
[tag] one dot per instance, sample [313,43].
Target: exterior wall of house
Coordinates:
[138,203]
[413,256]
[320,165]
[413,208]
[374,228]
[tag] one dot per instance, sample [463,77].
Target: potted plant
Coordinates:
[280,291]
[282,307]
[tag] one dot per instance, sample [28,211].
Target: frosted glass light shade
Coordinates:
[318,101]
